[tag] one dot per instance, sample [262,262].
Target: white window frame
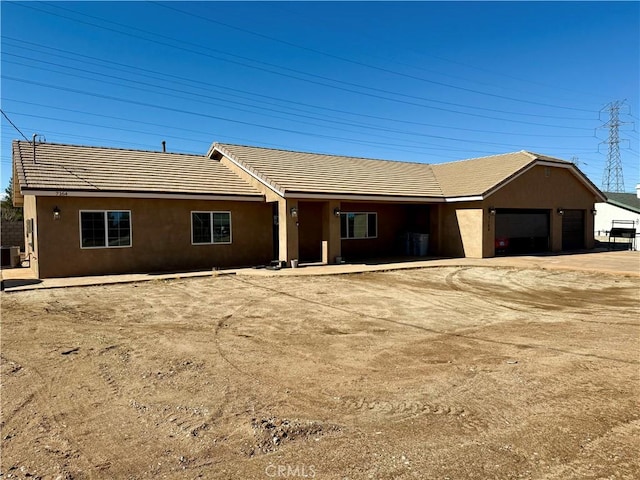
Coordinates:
[211,212]
[106,229]
[367,229]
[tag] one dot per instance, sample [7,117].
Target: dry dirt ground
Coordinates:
[439,373]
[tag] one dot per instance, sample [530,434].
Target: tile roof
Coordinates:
[478,176]
[298,172]
[94,169]
[630,201]
[101,169]
[288,172]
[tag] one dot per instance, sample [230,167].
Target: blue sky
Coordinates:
[417,81]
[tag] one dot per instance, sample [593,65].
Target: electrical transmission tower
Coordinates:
[612,180]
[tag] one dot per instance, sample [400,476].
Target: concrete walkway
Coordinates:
[614,262]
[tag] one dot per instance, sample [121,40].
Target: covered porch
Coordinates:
[332,231]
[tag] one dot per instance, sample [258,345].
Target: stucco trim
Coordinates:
[474,198]
[348,197]
[150,195]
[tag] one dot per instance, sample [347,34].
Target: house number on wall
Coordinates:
[61,194]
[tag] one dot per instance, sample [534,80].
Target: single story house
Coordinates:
[620,210]
[93,210]
[617,207]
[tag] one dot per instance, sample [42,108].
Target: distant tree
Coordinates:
[9,212]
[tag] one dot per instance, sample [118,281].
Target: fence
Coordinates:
[12,234]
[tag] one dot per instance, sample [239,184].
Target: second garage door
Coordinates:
[573,230]
[522,231]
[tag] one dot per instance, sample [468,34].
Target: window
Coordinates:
[105,229]
[210,227]
[358,225]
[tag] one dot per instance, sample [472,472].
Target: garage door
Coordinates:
[573,230]
[522,231]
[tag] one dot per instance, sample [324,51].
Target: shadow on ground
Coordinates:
[9,283]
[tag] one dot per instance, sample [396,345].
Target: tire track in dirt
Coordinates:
[595,303]
[53,431]
[370,410]
[487,296]
[604,449]
[459,334]
[518,288]
[456,281]
[225,322]
[176,419]
[402,408]
[183,419]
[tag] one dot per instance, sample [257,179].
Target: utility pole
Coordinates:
[612,180]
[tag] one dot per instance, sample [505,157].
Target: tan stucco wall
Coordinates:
[456,229]
[269,194]
[453,238]
[467,229]
[31,239]
[535,189]
[287,230]
[331,244]
[470,223]
[161,237]
[287,225]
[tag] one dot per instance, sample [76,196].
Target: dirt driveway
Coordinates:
[443,373]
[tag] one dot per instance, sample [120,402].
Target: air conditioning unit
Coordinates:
[10,257]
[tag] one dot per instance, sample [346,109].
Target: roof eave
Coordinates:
[623,205]
[300,194]
[48,192]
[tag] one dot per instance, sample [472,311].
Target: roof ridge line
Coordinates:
[111,148]
[323,154]
[478,158]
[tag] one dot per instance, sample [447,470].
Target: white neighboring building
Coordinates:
[619,206]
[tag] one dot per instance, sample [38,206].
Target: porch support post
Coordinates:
[288,230]
[331,243]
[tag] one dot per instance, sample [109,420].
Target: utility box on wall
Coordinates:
[10,256]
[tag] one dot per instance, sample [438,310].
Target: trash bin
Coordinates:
[407,243]
[421,244]
[294,263]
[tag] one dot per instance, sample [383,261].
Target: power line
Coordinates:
[283,6]
[270,127]
[118,141]
[13,125]
[613,180]
[279,68]
[356,62]
[420,146]
[209,85]
[331,122]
